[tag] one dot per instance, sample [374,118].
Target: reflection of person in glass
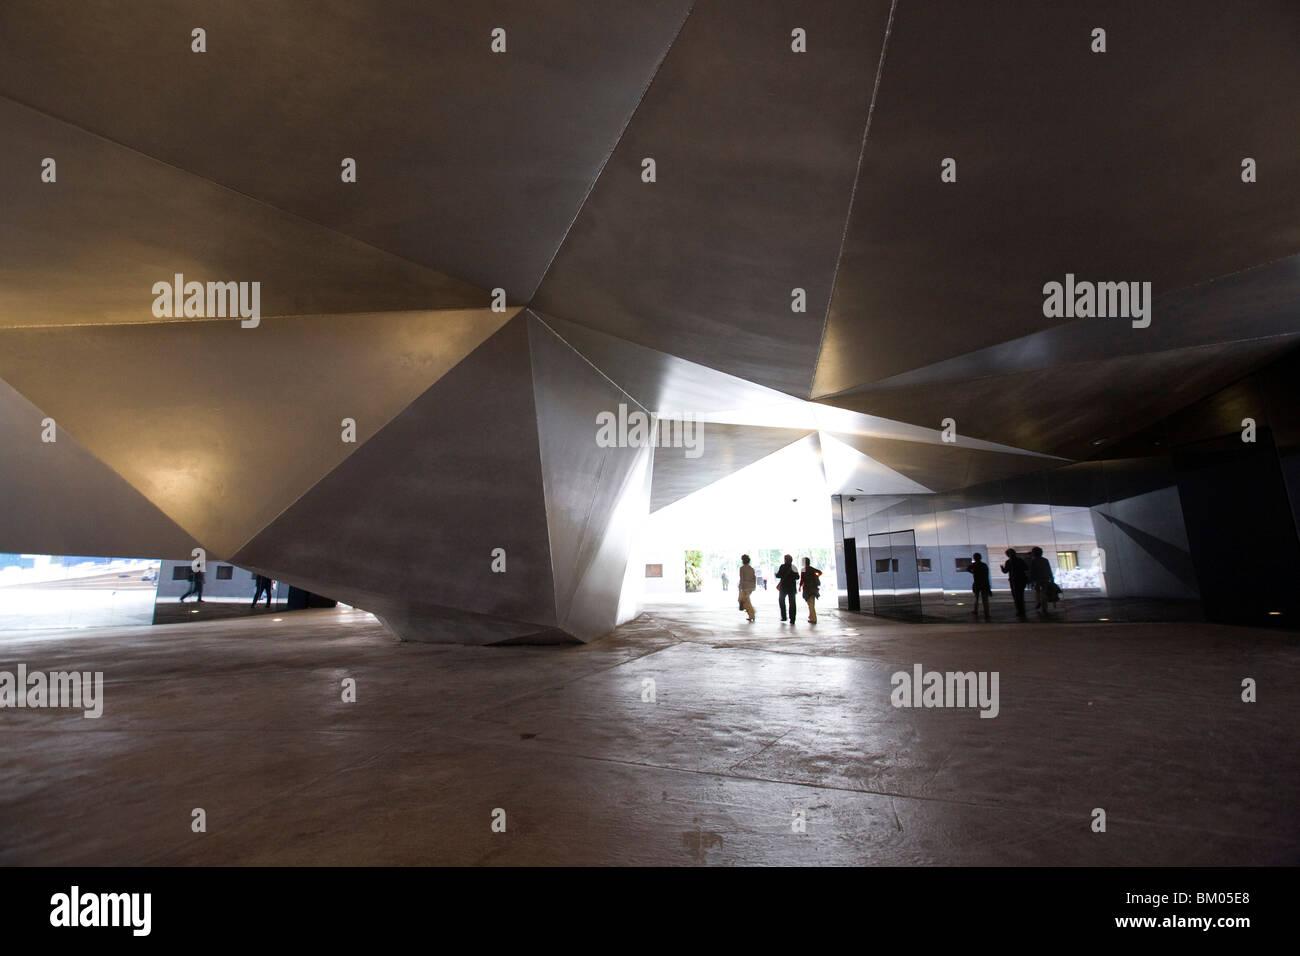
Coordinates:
[263,584]
[1018,575]
[810,587]
[196,586]
[1040,573]
[980,586]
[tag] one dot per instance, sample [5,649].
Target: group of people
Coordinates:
[790,583]
[1038,572]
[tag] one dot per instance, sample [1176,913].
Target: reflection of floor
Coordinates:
[172,611]
[1080,606]
[748,726]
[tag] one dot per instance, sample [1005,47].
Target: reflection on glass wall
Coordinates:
[224,590]
[41,591]
[1108,530]
[893,568]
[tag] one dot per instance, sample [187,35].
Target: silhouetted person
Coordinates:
[787,587]
[263,584]
[1018,574]
[1040,573]
[811,588]
[724,580]
[746,584]
[980,587]
[196,586]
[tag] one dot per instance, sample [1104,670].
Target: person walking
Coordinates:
[1017,573]
[811,588]
[1040,573]
[196,586]
[980,587]
[746,582]
[263,584]
[724,580]
[787,588]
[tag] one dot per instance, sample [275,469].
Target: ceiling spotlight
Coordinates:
[277,619]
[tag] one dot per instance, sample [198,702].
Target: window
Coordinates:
[923,565]
[1067,560]
[181,572]
[654,570]
[885,565]
[963,564]
[225,572]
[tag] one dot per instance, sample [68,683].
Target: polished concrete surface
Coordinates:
[750,723]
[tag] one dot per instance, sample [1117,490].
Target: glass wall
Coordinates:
[43,591]
[1110,530]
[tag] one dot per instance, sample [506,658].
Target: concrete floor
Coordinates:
[750,723]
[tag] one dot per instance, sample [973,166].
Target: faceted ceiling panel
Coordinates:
[848,470]
[755,150]
[1121,166]
[666,384]
[88,247]
[468,161]
[719,451]
[940,466]
[223,427]
[1070,410]
[59,499]
[1255,304]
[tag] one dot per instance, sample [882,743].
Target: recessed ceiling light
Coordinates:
[1103,619]
[277,619]
[1274,613]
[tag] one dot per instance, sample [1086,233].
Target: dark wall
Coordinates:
[1241,530]
[300,600]
[1240,499]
